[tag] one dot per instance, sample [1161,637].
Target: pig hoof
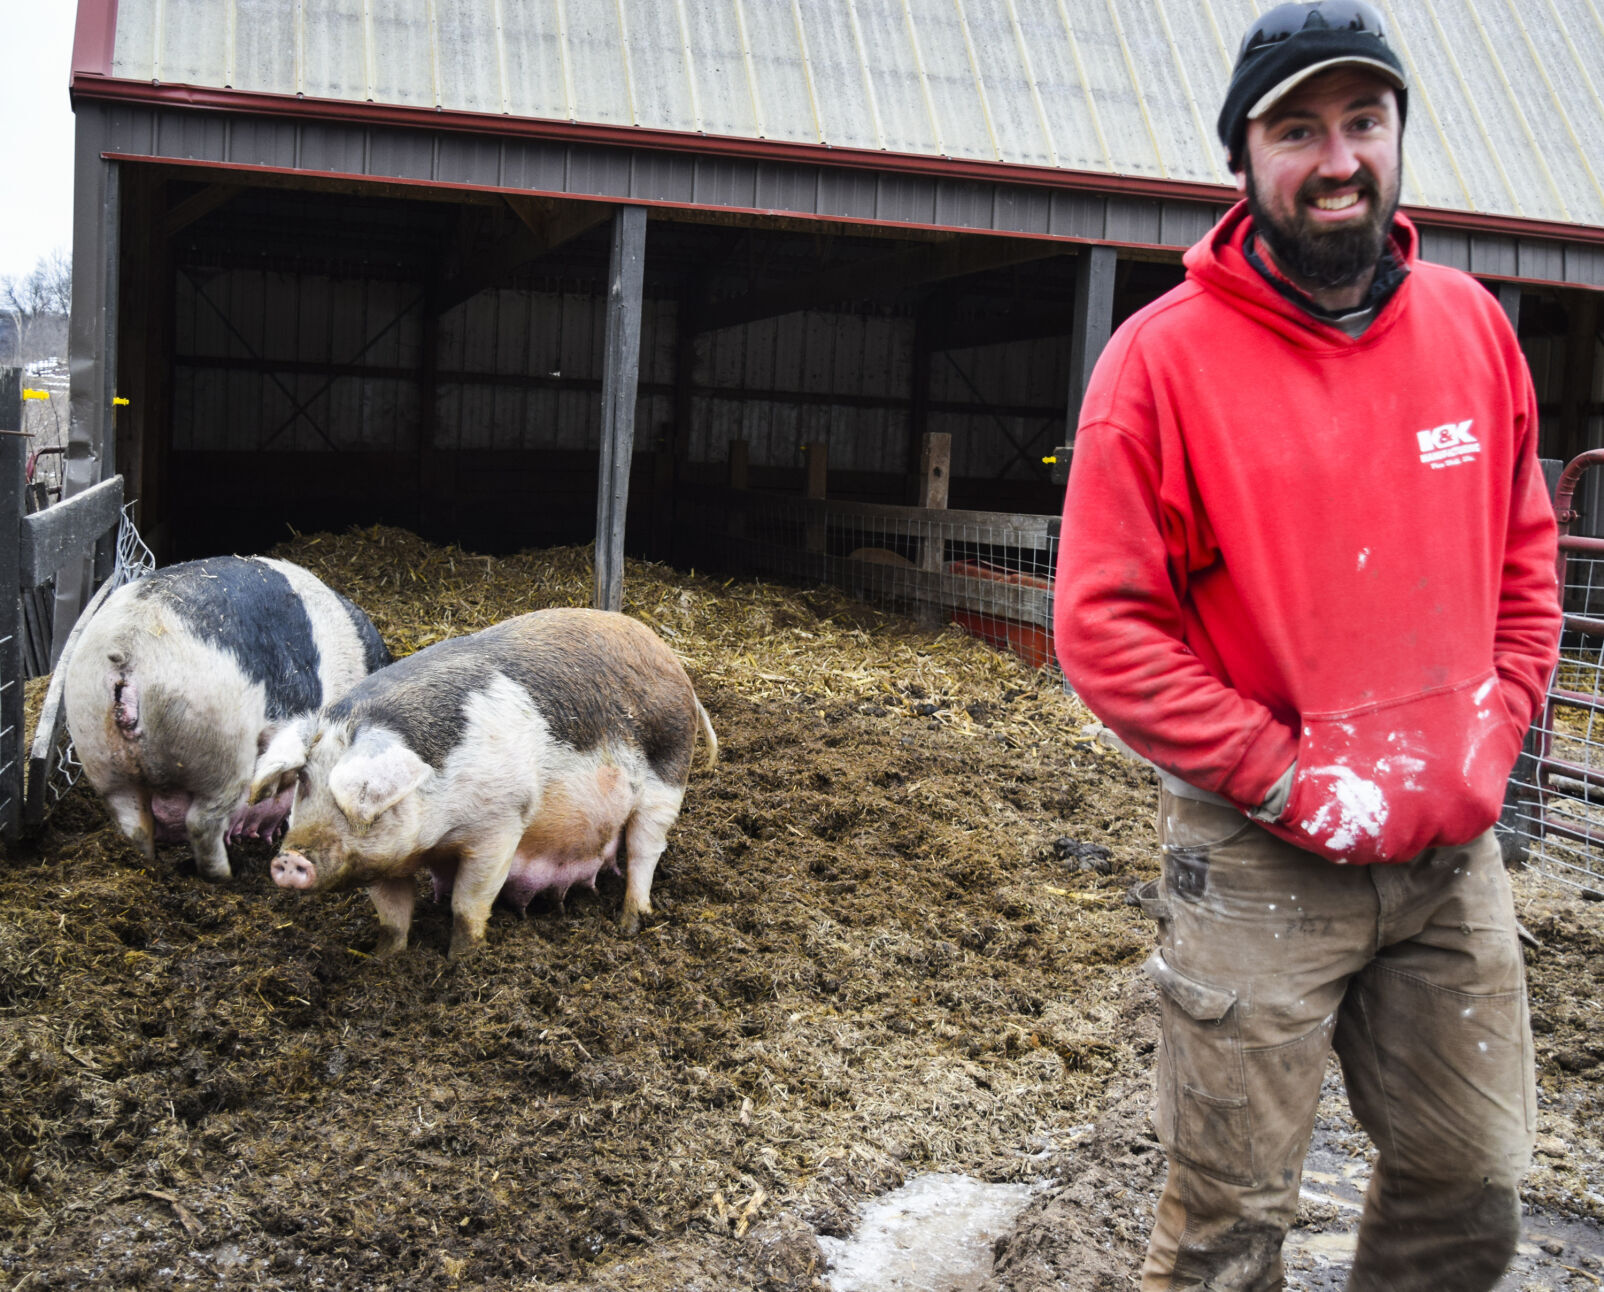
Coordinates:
[629,923]
[216,874]
[390,944]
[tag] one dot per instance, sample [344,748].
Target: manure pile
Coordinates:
[890,936]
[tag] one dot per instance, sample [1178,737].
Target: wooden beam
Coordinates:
[197,206]
[874,276]
[620,375]
[543,227]
[1093,324]
[51,538]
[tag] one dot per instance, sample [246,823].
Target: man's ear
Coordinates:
[375,774]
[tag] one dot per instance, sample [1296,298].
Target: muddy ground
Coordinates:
[890,937]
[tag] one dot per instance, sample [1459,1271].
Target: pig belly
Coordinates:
[533,872]
[541,872]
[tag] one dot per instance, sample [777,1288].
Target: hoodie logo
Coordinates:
[1448,445]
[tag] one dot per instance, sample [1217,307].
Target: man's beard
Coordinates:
[1319,256]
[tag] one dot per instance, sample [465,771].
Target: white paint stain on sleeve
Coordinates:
[1484,690]
[1364,555]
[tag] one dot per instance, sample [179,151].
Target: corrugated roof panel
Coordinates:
[330,51]
[660,75]
[1506,111]
[193,44]
[1540,97]
[1457,167]
[1500,121]
[597,64]
[266,44]
[134,45]
[1170,114]
[1077,131]
[849,113]
[1103,60]
[952,84]
[468,52]
[897,74]
[538,81]
[1006,70]
[786,97]
[401,40]
[722,82]
[1201,54]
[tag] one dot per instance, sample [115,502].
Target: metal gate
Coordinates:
[1555,810]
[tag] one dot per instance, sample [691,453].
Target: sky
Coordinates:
[36,143]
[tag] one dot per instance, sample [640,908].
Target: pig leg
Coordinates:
[130,808]
[392,900]
[207,825]
[480,876]
[645,836]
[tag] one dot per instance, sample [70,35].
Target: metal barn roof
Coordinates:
[1506,107]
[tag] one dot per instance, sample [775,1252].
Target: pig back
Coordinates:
[596,678]
[182,671]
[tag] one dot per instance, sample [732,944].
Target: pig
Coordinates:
[509,762]
[182,678]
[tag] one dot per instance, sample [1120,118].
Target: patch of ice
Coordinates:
[932,1235]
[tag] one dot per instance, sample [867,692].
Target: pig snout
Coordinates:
[293,870]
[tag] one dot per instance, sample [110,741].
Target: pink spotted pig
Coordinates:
[512,761]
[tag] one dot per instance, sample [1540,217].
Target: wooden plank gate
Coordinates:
[32,548]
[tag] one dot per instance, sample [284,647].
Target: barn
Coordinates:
[511,275]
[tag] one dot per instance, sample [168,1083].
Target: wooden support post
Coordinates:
[919,400]
[1093,325]
[1509,297]
[13,451]
[620,378]
[817,460]
[935,470]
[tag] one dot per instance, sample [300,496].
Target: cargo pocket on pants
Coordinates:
[1203,1106]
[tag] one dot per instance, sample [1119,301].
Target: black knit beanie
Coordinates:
[1265,72]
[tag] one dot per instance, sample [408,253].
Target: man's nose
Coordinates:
[1338,159]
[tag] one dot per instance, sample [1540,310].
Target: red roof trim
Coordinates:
[94,38]
[481,123]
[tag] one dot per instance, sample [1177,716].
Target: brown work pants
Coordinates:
[1269,957]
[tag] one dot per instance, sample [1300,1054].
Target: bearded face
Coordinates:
[1317,253]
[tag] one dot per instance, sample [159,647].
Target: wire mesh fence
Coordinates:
[1554,814]
[988,572]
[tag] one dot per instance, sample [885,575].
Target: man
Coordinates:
[1307,570]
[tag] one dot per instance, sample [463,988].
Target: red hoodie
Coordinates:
[1280,543]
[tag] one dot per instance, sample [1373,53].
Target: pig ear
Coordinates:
[373,776]
[285,754]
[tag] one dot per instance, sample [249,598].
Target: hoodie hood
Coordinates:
[1219,264]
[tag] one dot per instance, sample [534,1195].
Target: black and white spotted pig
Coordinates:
[511,761]
[183,677]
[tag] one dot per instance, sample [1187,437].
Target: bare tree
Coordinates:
[38,304]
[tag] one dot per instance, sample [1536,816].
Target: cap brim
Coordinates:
[1279,91]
